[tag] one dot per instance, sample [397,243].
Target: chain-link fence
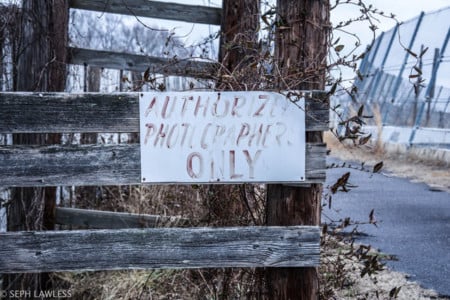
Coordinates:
[406,74]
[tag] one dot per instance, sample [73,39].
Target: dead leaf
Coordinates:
[377,168]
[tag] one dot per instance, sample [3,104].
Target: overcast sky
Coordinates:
[403,9]
[407,9]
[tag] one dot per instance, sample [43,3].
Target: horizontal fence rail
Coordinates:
[85,165]
[22,112]
[28,165]
[112,220]
[88,250]
[154,9]
[141,63]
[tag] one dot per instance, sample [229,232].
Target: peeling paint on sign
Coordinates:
[226,137]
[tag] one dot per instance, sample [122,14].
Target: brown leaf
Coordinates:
[394,292]
[324,229]
[339,48]
[411,53]
[361,110]
[372,219]
[423,51]
[418,70]
[377,168]
[364,140]
[360,76]
[341,182]
[147,75]
[333,89]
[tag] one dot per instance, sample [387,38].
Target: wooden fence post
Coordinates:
[300,53]
[40,67]
[238,28]
[301,48]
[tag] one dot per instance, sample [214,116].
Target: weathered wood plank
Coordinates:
[94,112]
[98,165]
[160,248]
[153,9]
[140,63]
[63,112]
[317,108]
[112,220]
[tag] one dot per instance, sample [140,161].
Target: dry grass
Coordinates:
[433,172]
[203,206]
[162,284]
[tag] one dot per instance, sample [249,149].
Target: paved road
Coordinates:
[414,223]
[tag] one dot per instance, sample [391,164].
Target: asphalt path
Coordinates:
[413,222]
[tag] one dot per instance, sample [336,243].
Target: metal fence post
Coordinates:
[386,54]
[389,102]
[405,59]
[438,54]
[397,115]
[441,115]
[364,69]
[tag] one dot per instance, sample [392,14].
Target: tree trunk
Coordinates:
[41,66]
[300,52]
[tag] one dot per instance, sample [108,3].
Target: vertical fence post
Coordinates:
[365,69]
[387,100]
[302,44]
[40,68]
[417,89]
[429,109]
[405,59]
[240,20]
[442,114]
[386,55]
[428,95]
[430,88]
[438,96]
[401,109]
[378,98]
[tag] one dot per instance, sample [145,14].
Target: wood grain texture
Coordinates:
[98,165]
[153,9]
[140,63]
[98,219]
[63,112]
[103,113]
[301,48]
[84,250]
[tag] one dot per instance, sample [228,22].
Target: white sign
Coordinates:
[226,137]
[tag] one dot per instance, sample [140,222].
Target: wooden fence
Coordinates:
[137,248]
[28,165]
